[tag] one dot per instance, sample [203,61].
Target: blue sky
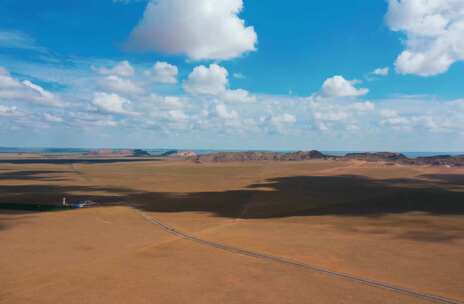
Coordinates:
[233,74]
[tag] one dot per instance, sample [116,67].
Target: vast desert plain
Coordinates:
[174,231]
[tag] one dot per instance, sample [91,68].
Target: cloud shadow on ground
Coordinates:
[344,195]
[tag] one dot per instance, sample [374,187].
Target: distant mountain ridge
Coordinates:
[388,157]
[416,158]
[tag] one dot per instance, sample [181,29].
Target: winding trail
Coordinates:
[364,281]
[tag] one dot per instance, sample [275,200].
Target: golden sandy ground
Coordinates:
[396,224]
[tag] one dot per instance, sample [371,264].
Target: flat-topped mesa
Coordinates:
[377,156]
[259,156]
[386,157]
[237,156]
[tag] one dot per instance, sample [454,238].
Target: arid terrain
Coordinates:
[177,231]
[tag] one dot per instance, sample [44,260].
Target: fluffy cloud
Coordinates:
[224,113]
[122,69]
[213,111]
[213,81]
[177,116]
[239,76]
[52,118]
[366,106]
[200,29]
[330,114]
[381,71]
[204,80]
[111,103]
[337,86]
[120,85]
[434,31]
[419,114]
[25,91]
[283,119]
[85,120]
[8,111]
[238,95]
[163,72]
[159,102]
[172,102]
[19,40]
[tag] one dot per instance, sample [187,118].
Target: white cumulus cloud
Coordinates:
[239,76]
[204,80]
[434,31]
[25,91]
[177,116]
[337,86]
[19,40]
[365,106]
[224,113]
[238,95]
[200,29]
[164,72]
[8,111]
[122,69]
[283,119]
[52,118]
[111,103]
[117,84]
[214,81]
[381,71]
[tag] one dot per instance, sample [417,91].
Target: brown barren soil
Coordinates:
[398,225]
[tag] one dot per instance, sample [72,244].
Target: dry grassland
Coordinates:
[401,225]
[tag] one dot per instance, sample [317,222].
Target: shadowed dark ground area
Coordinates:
[312,195]
[278,197]
[348,195]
